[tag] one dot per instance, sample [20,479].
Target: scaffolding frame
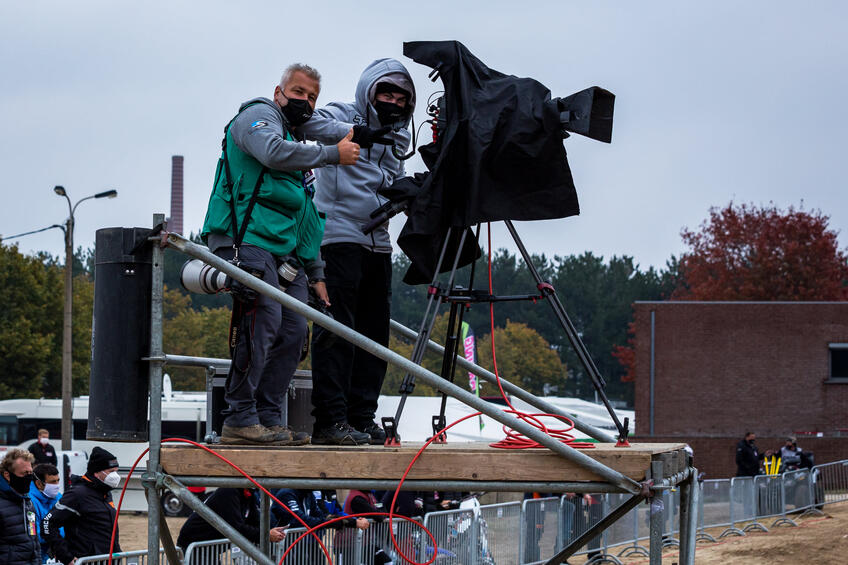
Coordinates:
[666,471]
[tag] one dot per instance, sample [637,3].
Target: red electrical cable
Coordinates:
[513,440]
[310,531]
[516,440]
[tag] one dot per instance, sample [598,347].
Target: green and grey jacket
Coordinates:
[264,156]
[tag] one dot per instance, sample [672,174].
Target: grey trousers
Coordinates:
[268,349]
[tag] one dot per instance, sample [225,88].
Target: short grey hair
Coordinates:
[305,69]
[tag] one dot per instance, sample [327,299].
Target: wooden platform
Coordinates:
[460,461]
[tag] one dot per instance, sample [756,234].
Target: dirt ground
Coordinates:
[818,540]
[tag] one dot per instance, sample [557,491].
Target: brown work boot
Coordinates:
[257,434]
[291,437]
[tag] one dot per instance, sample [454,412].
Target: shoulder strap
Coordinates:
[238,233]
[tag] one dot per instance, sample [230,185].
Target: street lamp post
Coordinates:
[67,325]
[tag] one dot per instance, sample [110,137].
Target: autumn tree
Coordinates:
[431,362]
[762,253]
[524,358]
[199,333]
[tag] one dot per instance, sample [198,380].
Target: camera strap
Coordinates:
[238,232]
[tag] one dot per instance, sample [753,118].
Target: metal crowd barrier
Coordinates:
[716,506]
[124,558]
[532,531]
[831,482]
[504,530]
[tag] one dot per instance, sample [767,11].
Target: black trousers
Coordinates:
[346,381]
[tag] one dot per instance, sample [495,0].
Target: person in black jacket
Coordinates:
[238,507]
[313,508]
[86,512]
[437,501]
[18,529]
[748,457]
[42,450]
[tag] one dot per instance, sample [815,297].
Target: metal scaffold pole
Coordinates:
[154,507]
[419,372]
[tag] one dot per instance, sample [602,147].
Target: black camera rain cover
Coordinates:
[500,156]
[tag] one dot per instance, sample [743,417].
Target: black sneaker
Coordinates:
[340,433]
[374,431]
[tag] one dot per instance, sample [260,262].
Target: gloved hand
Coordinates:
[367,137]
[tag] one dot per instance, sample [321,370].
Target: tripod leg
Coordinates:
[424,332]
[570,331]
[452,343]
[447,373]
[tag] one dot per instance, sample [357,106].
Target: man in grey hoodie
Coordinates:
[347,380]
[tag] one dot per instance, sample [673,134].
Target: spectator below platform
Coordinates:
[18,530]
[86,512]
[44,493]
[42,450]
[238,507]
[748,457]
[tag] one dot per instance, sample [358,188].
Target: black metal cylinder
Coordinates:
[299,406]
[120,335]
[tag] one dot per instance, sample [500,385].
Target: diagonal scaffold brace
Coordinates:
[611,475]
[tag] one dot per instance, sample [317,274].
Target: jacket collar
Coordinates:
[7,490]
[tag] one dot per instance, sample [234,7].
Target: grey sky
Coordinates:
[715,101]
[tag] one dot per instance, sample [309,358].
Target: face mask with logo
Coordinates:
[20,484]
[297,111]
[113,479]
[388,112]
[51,490]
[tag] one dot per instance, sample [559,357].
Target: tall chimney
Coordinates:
[175,222]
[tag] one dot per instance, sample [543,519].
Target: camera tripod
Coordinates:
[461,299]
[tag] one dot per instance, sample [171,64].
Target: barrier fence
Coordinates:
[532,531]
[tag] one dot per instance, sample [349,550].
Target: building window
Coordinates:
[838,361]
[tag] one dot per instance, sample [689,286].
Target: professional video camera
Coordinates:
[497,154]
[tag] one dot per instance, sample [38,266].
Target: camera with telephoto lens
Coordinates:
[196,276]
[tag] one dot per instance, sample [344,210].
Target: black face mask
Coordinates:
[20,484]
[389,112]
[297,111]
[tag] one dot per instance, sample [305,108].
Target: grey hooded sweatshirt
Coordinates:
[348,194]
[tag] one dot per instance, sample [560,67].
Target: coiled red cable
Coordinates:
[516,440]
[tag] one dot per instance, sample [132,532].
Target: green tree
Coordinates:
[597,296]
[30,314]
[199,333]
[431,361]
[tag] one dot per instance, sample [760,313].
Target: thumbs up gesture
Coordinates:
[348,150]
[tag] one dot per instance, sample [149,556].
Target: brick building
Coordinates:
[706,372]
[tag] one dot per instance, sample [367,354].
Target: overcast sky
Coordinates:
[717,101]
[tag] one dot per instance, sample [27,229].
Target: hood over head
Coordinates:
[383,70]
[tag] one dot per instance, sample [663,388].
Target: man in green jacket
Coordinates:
[261,216]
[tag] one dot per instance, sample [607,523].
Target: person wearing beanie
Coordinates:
[358,267]
[86,512]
